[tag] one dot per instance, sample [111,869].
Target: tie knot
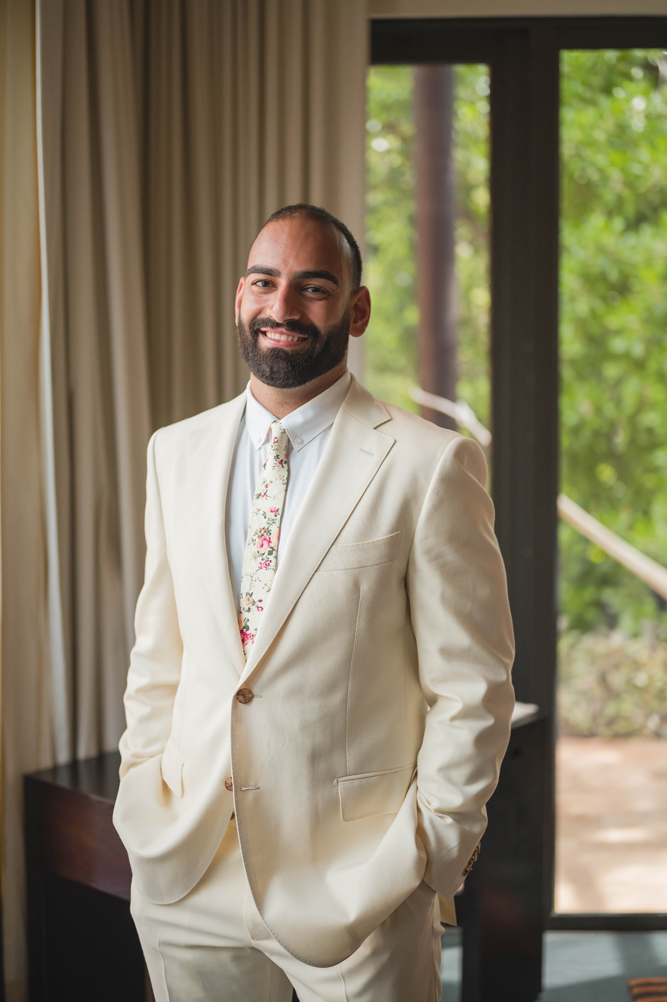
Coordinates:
[279,437]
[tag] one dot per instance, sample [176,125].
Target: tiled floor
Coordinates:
[579,966]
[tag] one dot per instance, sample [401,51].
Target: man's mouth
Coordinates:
[285,339]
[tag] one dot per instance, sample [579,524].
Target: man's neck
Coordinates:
[281,402]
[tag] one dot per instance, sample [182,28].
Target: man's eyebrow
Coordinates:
[259,269]
[318,273]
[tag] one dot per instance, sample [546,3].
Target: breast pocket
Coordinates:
[373,793]
[344,556]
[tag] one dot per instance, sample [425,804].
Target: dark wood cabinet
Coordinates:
[82,941]
[82,944]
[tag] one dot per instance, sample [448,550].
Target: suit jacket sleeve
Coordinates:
[155,661]
[461,621]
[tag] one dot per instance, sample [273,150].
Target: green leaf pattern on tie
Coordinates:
[261,550]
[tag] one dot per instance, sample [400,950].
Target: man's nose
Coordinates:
[284,305]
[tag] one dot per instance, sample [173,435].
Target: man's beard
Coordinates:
[285,367]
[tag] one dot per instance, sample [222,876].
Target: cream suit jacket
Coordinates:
[380,674]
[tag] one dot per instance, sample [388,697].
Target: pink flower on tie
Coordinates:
[263,543]
[273,511]
[263,565]
[246,637]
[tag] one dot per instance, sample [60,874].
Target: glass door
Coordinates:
[550,314]
[611,753]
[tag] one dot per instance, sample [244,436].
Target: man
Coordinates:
[319,698]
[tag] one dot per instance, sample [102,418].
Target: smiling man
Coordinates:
[319,697]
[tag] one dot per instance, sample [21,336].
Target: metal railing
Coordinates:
[645,568]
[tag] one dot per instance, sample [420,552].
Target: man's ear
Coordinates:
[360,311]
[239,297]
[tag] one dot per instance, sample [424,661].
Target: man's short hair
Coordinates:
[320,215]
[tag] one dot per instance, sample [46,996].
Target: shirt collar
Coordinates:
[305,423]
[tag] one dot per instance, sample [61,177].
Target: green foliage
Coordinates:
[391,340]
[471,156]
[613,400]
[612,686]
[612,332]
[392,364]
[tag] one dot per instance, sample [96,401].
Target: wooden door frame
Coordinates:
[523,55]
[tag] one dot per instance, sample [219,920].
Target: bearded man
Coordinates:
[319,695]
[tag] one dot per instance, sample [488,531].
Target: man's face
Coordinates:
[294,304]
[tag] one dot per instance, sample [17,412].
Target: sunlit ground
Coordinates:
[611,851]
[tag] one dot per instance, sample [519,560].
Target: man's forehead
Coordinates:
[299,244]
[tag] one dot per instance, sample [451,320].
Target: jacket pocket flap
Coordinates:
[343,556]
[373,793]
[171,767]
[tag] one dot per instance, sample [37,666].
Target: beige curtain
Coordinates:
[167,130]
[246,105]
[26,690]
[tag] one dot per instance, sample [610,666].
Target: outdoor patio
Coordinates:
[611,853]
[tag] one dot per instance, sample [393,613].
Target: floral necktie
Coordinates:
[261,548]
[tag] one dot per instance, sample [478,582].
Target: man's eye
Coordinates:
[262,283]
[315,288]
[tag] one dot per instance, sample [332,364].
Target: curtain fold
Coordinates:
[27,721]
[95,323]
[167,131]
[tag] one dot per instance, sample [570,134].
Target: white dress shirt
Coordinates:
[308,428]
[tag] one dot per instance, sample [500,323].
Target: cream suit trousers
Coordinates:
[212,946]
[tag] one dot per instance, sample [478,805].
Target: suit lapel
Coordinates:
[210,453]
[353,455]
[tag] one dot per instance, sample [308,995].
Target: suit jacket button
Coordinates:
[229,784]
[244,695]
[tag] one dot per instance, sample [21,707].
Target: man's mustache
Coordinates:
[291,326]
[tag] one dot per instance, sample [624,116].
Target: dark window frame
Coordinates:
[523,56]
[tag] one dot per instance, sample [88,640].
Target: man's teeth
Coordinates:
[282,337]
